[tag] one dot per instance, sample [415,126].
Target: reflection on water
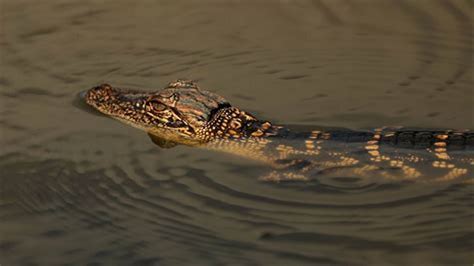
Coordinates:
[97,192]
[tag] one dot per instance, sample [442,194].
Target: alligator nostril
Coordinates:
[104,86]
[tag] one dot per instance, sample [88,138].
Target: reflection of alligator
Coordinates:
[182,113]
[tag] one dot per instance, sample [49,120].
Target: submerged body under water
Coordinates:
[81,189]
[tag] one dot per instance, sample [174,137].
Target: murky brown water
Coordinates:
[78,189]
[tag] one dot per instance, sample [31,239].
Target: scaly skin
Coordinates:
[182,113]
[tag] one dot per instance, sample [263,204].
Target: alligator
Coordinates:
[182,113]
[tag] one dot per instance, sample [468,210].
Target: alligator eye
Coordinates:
[158,106]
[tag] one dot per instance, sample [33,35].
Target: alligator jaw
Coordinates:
[122,104]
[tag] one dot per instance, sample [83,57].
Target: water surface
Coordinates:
[78,189]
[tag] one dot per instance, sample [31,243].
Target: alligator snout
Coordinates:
[101,93]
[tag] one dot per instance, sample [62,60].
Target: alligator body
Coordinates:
[182,113]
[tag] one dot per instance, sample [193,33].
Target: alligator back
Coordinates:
[410,138]
[395,154]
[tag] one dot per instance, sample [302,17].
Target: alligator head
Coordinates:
[181,113]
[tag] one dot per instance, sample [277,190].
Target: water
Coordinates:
[78,189]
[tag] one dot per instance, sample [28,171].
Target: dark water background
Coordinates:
[78,189]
